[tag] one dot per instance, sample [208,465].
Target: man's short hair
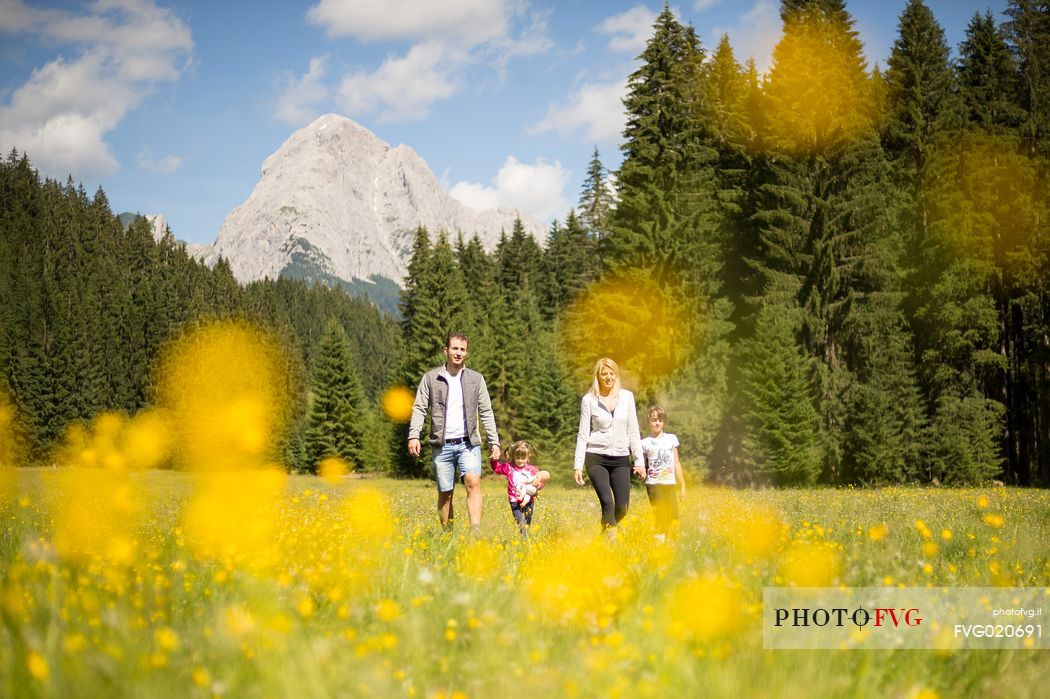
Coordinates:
[457,336]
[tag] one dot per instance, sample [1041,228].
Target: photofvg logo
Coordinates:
[866,618]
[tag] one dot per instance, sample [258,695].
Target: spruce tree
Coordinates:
[988,77]
[783,436]
[827,239]
[920,89]
[726,102]
[570,264]
[336,421]
[985,256]
[550,410]
[479,272]
[667,235]
[596,199]
[1028,33]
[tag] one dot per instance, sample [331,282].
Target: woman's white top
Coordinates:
[611,433]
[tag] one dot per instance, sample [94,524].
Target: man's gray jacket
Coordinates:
[432,395]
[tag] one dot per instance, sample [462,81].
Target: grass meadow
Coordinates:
[257,584]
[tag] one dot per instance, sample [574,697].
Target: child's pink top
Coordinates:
[515,476]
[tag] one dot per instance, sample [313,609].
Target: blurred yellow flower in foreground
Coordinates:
[629,317]
[753,530]
[37,666]
[332,469]
[577,582]
[146,440]
[480,560]
[702,609]
[993,520]
[397,403]
[368,517]
[97,514]
[223,385]
[811,564]
[388,610]
[232,516]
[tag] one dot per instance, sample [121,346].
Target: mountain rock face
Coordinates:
[157,221]
[335,201]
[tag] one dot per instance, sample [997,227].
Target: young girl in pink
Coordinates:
[524,481]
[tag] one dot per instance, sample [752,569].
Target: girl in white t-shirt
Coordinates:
[664,481]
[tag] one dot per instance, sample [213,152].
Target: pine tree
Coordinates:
[479,272]
[783,440]
[817,95]
[420,322]
[665,209]
[827,242]
[987,77]
[517,319]
[1028,33]
[664,255]
[596,199]
[920,89]
[550,410]
[884,439]
[985,255]
[435,302]
[570,264]
[336,421]
[727,86]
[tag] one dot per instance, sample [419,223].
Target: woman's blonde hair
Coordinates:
[606,362]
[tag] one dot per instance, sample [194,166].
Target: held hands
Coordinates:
[495,452]
[639,471]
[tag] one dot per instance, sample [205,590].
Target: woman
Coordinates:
[608,435]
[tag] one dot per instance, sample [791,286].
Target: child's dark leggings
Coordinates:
[611,478]
[523,515]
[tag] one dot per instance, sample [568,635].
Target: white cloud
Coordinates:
[449,39]
[596,110]
[537,189]
[473,21]
[299,101]
[755,35]
[158,166]
[534,39]
[403,88]
[629,30]
[61,115]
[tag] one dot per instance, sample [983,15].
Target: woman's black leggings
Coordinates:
[611,478]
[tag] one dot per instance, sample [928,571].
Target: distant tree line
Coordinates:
[856,261]
[828,273]
[86,306]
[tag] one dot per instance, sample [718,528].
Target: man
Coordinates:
[456,398]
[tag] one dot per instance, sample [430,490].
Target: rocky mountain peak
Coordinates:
[335,201]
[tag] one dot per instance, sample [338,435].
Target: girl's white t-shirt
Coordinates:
[659,459]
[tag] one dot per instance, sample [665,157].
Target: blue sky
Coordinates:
[171,106]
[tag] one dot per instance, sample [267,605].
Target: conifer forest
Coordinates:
[832,273]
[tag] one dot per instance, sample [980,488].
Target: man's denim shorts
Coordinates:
[452,461]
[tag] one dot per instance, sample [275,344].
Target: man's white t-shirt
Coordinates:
[455,415]
[659,459]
